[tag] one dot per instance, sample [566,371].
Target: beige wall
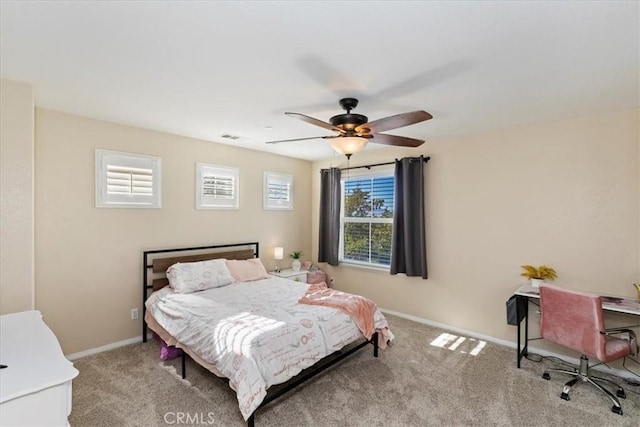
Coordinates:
[564,194]
[16,197]
[89,260]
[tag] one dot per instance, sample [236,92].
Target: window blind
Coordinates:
[367,220]
[278,191]
[129,180]
[218,187]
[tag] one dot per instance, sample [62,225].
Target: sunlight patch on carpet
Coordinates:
[452,342]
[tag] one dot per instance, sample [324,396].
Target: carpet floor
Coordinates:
[427,378]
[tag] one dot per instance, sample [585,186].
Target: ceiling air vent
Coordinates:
[227,137]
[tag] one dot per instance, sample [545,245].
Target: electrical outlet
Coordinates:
[332,281]
[134,314]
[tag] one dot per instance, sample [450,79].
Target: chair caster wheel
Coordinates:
[621,394]
[565,396]
[616,409]
[546,376]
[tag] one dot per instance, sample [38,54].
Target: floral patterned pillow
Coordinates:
[197,276]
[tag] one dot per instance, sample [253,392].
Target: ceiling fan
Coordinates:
[354,131]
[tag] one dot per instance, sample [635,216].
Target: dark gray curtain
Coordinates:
[408,244]
[329,216]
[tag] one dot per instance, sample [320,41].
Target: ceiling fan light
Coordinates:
[348,145]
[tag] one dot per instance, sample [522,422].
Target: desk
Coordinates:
[527,292]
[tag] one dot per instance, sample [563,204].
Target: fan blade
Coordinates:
[424,80]
[301,139]
[315,122]
[398,141]
[397,121]
[326,75]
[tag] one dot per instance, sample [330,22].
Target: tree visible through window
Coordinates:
[367,220]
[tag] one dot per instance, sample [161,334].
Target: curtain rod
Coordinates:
[426,159]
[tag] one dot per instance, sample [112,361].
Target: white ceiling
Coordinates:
[204,69]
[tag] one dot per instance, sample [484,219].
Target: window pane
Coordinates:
[368,219]
[369,197]
[356,242]
[381,244]
[382,197]
[357,198]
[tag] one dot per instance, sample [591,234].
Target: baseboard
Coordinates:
[112,346]
[451,328]
[618,372]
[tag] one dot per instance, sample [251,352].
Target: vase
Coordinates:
[295,265]
[536,282]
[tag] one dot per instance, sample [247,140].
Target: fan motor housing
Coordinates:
[348,121]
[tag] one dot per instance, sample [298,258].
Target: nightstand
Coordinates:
[298,276]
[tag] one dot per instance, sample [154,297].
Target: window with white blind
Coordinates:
[367,218]
[277,191]
[126,180]
[217,187]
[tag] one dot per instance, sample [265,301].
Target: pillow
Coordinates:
[247,270]
[197,276]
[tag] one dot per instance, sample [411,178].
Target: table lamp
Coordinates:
[278,254]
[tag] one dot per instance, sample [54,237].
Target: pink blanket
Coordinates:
[359,308]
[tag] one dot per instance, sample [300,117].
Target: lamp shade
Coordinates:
[278,253]
[348,145]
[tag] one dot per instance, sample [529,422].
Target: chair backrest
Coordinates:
[573,319]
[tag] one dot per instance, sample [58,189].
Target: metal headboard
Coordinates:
[150,258]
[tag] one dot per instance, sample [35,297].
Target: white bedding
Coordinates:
[254,333]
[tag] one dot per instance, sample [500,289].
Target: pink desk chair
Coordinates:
[574,319]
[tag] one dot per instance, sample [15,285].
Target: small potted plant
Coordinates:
[295,265]
[538,275]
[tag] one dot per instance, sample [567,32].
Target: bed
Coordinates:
[263,334]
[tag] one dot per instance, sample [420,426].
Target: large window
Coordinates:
[367,219]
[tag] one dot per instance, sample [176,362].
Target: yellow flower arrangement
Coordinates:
[543,272]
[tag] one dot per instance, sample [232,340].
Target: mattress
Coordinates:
[253,333]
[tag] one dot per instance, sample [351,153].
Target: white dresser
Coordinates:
[35,387]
